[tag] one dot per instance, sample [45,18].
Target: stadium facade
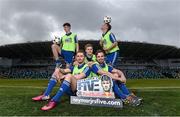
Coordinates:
[134,56]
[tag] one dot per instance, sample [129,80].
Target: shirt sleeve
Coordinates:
[71,68]
[112,38]
[110,68]
[75,39]
[61,41]
[86,71]
[95,68]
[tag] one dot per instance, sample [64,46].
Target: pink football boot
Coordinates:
[49,106]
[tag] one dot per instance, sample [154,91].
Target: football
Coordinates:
[56,40]
[107,19]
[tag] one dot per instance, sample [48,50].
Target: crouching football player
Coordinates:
[69,83]
[100,68]
[90,58]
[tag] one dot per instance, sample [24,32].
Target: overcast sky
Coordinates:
[153,21]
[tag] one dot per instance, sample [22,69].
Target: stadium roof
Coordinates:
[127,49]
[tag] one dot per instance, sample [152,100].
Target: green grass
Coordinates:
[161,97]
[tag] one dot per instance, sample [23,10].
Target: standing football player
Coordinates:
[68,47]
[108,43]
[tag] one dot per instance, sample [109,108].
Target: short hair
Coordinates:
[109,26]
[88,45]
[105,78]
[99,51]
[67,24]
[80,51]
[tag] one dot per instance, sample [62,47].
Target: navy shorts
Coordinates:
[68,56]
[112,58]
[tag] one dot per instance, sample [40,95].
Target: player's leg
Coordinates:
[115,56]
[52,82]
[65,86]
[122,85]
[127,99]
[130,96]
[117,91]
[68,57]
[108,59]
[56,51]
[111,58]
[73,84]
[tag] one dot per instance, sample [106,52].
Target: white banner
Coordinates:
[91,101]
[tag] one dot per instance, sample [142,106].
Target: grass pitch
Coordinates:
[161,97]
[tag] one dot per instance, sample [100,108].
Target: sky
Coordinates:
[151,21]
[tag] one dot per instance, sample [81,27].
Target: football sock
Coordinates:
[65,86]
[124,89]
[51,84]
[58,62]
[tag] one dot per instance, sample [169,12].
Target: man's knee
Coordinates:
[57,73]
[115,74]
[54,46]
[123,79]
[68,77]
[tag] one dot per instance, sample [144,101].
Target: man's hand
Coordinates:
[75,63]
[105,49]
[79,76]
[57,73]
[90,64]
[62,77]
[101,42]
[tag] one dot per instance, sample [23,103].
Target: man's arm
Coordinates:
[77,47]
[59,73]
[80,76]
[113,45]
[76,42]
[98,70]
[120,74]
[101,43]
[60,46]
[102,72]
[65,71]
[115,71]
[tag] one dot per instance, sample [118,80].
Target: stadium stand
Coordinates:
[137,60]
[25,73]
[152,73]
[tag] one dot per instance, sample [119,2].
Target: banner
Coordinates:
[96,92]
[105,102]
[95,87]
